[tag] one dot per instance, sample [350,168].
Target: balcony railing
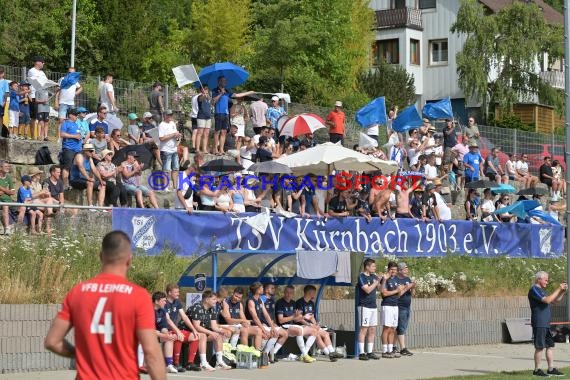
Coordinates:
[553,78]
[399,18]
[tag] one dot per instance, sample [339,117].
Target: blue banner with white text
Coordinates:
[196,234]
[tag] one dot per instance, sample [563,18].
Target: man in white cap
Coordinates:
[335,122]
[274,113]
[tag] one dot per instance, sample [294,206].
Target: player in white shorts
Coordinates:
[287,316]
[232,315]
[391,291]
[368,284]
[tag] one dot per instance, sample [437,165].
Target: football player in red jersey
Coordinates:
[110,317]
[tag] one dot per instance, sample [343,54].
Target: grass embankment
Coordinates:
[41,270]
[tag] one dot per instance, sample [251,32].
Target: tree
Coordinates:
[219,31]
[391,81]
[500,52]
[315,49]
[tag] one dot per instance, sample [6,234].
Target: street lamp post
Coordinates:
[73,18]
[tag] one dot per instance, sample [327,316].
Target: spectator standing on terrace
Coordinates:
[65,99]
[258,111]
[404,306]
[25,104]
[473,161]
[221,99]
[471,132]
[368,284]
[430,205]
[169,139]
[4,90]
[416,204]
[156,102]
[13,111]
[335,122]
[449,136]
[391,291]
[37,73]
[203,120]
[107,94]
[274,113]
[71,144]
[239,115]
[341,204]
[110,352]
[540,301]
[42,100]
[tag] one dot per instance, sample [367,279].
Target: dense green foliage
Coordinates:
[391,81]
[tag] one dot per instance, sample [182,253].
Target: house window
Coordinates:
[438,52]
[414,52]
[387,51]
[398,4]
[426,4]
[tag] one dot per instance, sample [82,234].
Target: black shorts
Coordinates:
[43,116]
[66,158]
[398,215]
[491,176]
[336,137]
[542,338]
[222,122]
[81,184]
[194,123]
[547,182]
[33,109]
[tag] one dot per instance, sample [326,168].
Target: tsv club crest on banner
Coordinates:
[143,232]
[200,281]
[545,238]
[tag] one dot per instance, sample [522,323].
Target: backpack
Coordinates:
[43,156]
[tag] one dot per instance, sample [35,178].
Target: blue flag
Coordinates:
[69,80]
[372,113]
[439,110]
[407,119]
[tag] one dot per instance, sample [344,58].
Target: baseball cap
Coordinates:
[146,115]
[168,112]
[430,186]
[275,98]
[72,111]
[26,178]
[338,103]
[133,116]
[473,145]
[81,110]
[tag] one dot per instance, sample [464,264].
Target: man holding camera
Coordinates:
[540,301]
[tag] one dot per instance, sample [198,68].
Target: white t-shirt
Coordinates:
[372,130]
[442,208]
[195,106]
[488,206]
[170,145]
[67,96]
[34,73]
[522,167]
[510,168]
[438,151]
[189,201]
[104,90]
[430,172]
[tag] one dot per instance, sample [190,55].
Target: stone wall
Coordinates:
[434,323]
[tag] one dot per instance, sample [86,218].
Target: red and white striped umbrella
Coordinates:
[302,124]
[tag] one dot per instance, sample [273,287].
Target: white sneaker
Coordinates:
[223,366]
[171,369]
[207,367]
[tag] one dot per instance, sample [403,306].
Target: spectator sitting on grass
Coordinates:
[25,196]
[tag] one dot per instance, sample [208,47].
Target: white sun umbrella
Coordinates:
[325,158]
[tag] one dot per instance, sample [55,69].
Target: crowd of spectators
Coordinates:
[447,159]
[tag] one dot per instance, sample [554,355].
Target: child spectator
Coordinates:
[42,100]
[25,196]
[25,101]
[13,110]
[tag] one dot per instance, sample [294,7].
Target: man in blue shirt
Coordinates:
[540,301]
[473,161]
[404,306]
[391,291]
[368,283]
[71,144]
[221,100]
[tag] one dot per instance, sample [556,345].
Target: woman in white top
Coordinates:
[223,201]
[557,174]
[488,206]
[510,167]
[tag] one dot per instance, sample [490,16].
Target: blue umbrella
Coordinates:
[407,119]
[520,208]
[503,188]
[234,74]
[372,113]
[439,110]
[69,80]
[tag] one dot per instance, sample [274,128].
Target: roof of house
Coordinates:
[551,15]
